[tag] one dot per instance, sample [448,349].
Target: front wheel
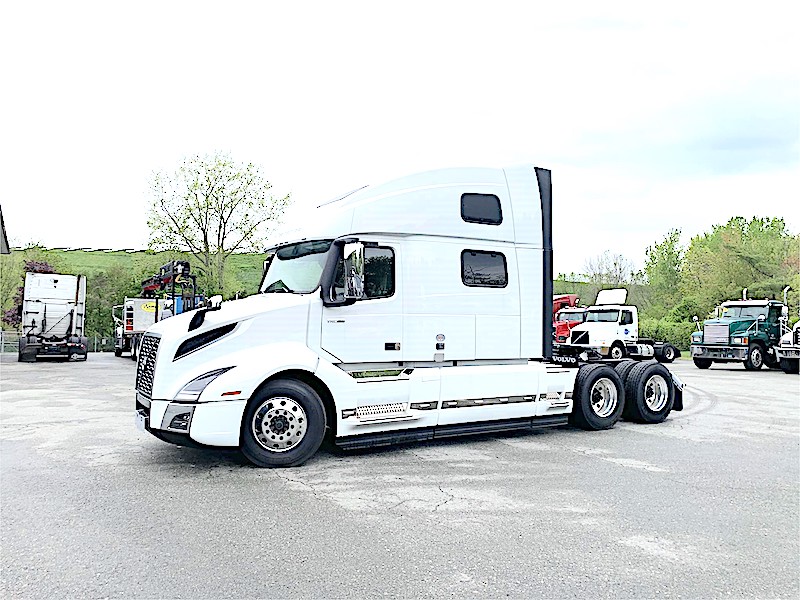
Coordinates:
[598,398]
[283,424]
[702,363]
[617,351]
[755,358]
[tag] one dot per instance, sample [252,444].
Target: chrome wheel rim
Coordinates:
[656,393]
[616,352]
[668,353]
[279,424]
[603,397]
[755,357]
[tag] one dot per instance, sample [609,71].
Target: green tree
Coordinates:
[760,255]
[213,207]
[663,271]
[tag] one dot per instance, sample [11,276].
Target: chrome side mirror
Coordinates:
[354,270]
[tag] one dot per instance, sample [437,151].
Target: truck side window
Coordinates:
[481,208]
[483,269]
[378,274]
[627,318]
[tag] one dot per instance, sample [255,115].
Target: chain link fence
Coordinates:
[9,342]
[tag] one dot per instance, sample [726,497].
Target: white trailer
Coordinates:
[414,310]
[53,317]
[789,350]
[611,330]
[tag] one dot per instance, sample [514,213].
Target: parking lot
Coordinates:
[705,505]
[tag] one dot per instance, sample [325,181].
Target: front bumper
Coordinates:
[191,424]
[789,352]
[720,353]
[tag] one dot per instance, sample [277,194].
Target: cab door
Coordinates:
[370,330]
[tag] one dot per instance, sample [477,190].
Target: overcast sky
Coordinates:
[677,117]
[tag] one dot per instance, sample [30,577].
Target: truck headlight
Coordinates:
[697,337]
[192,390]
[743,340]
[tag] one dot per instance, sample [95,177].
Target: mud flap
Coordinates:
[678,386]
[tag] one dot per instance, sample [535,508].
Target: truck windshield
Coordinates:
[571,316]
[743,312]
[602,316]
[295,269]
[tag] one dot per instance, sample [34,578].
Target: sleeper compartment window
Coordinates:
[481,208]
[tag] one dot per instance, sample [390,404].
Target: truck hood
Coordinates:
[231,311]
[599,333]
[734,325]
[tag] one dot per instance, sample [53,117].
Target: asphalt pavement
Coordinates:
[705,505]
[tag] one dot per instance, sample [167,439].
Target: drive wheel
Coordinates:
[668,354]
[598,398]
[617,351]
[702,363]
[283,424]
[649,393]
[117,352]
[755,358]
[790,366]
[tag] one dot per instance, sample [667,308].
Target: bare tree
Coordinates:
[610,270]
[212,206]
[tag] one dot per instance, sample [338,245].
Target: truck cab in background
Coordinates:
[789,350]
[611,330]
[565,320]
[53,317]
[744,331]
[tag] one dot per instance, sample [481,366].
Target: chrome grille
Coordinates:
[797,337]
[715,333]
[146,368]
[380,411]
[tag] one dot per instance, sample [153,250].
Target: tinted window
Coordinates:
[481,208]
[483,269]
[378,272]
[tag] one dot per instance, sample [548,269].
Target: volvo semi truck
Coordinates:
[53,317]
[414,310]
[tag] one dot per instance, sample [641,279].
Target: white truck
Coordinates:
[137,314]
[788,350]
[53,317]
[415,310]
[611,330]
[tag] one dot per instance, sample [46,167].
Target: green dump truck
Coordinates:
[746,331]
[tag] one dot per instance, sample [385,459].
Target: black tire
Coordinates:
[790,366]
[624,367]
[134,347]
[617,351]
[702,363]
[598,398]
[117,352]
[649,393]
[755,357]
[280,410]
[668,354]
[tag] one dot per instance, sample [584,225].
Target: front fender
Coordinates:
[251,366]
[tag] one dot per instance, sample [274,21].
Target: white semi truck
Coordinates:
[414,310]
[611,330]
[53,317]
[789,350]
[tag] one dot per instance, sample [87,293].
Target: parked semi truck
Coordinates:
[789,350]
[414,310]
[565,320]
[53,317]
[744,331]
[611,330]
[171,291]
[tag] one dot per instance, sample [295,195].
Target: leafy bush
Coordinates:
[677,334]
